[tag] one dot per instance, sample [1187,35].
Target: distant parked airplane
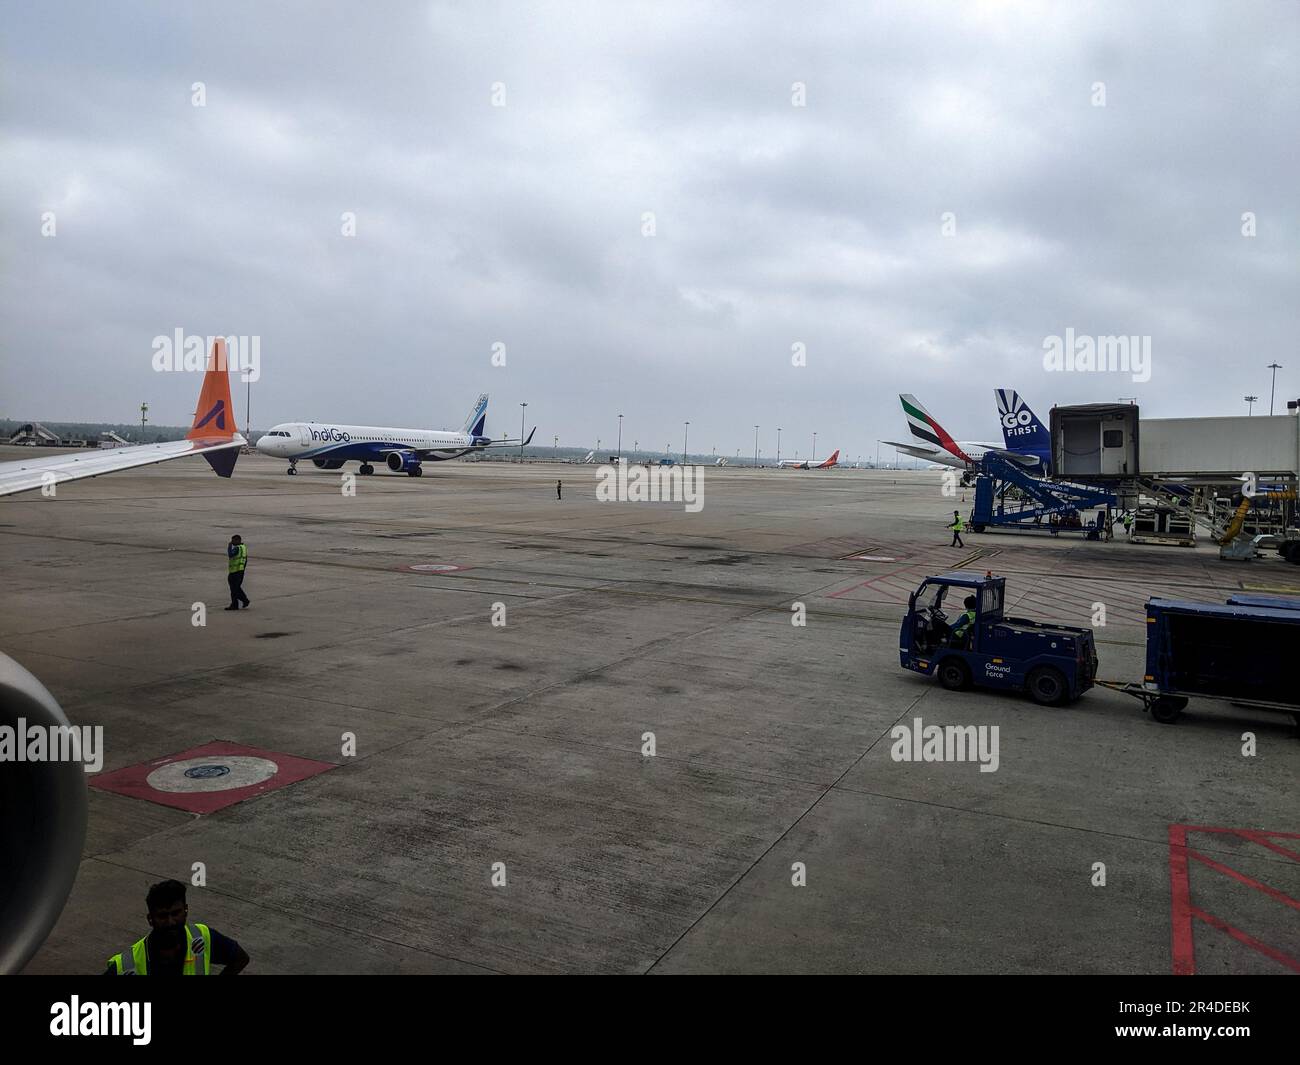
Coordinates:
[812,464]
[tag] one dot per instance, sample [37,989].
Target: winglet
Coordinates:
[215,417]
[214,420]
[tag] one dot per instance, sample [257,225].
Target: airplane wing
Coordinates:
[212,435]
[912,449]
[1018,457]
[508,442]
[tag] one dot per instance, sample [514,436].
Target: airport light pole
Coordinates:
[1274,366]
[877,454]
[144,417]
[620,438]
[1250,404]
[248,406]
[756,447]
[778,445]
[685,436]
[523,407]
[814,454]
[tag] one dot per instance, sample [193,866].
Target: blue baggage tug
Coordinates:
[1053,663]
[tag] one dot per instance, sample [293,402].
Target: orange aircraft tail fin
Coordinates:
[215,417]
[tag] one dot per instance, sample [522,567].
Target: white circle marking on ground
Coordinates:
[241,771]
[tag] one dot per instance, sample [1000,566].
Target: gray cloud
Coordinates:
[775,224]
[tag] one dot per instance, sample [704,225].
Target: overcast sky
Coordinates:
[774,224]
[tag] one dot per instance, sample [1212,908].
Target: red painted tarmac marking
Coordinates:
[1184,952]
[1248,940]
[1183,912]
[1242,878]
[133,780]
[884,577]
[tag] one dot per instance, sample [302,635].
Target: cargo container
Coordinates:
[1241,652]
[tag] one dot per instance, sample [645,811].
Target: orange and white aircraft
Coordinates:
[812,464]
[212,435]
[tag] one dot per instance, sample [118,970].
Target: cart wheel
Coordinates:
[1046,686]
[953,674]
[1167,708]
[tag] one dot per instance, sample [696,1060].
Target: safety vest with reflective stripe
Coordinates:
[198,955]
[239,560]
[957,524]
[964,622]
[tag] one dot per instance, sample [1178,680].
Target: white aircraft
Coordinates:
[212,435]
[930,441]
[812,464]
[330,445]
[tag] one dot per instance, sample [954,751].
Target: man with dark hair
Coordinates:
[176,947]
[965,624]
[237,562]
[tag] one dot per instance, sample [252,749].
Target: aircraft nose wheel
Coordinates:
[293,468]
[415,472]
[366,469]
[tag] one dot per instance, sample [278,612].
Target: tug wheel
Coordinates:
[953,674]
[1046,686]
[1167,708]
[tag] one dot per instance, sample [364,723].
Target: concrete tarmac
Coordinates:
[501,812]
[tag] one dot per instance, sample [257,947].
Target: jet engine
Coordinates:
[42,822]
[404,461]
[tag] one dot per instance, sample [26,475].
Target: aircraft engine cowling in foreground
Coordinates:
[42,823]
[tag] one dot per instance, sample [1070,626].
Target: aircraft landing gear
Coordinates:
[366,469]
[415,471]
[293,467]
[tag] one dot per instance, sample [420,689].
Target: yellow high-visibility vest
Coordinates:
[239,560]
[198,954]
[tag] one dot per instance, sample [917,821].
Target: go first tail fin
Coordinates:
[1022,432]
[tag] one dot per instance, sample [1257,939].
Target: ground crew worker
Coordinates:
[559,485]
[176,947]
[956,527]
[236,562]
[1127,519]
[961,631]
